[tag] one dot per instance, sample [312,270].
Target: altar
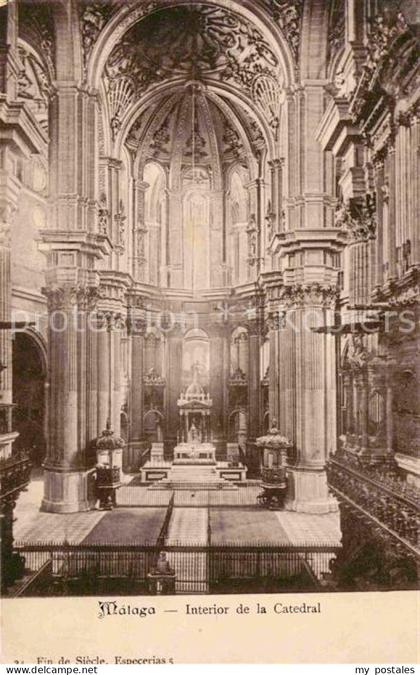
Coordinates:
[194,465]
[195,413]
[196,452]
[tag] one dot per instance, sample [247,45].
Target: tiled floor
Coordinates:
[142,496]
[122,526]
[245,526]
[304,528]
[251,523]
[33,526]
[189,526]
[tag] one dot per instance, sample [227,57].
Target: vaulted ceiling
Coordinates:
[188,45]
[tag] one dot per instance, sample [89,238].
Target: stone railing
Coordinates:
[378,493]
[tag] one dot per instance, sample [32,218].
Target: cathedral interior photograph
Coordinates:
[209,285]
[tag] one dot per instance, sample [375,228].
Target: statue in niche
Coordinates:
[194,435]
[252,240]
[195,388]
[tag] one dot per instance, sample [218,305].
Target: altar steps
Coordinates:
[193,477]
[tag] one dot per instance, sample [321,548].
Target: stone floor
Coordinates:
[234,516]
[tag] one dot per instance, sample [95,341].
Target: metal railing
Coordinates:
[199,568]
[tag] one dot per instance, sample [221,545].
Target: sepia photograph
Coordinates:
[209,285]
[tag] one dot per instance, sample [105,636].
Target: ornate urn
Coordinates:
[274,448]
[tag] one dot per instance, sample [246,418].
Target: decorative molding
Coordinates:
[120,219]
[307,295]
[64,298]
[196,43]
[288,15]
[93,18]
[358,218]
[103,216]
[36,27]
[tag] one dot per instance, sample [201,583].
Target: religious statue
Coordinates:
[194,434]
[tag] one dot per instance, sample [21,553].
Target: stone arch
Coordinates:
[126,17]
[30,393]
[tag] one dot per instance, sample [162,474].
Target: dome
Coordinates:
[195,390]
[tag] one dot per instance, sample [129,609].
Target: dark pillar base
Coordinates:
[169,445]
[134,456]
[221,450]
[253,460]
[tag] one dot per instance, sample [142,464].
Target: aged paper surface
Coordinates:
[353,628]
[209,331]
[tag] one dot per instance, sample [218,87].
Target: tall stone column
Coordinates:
[173,380]
[254,395]
[67,487]
[217,240]
[140,231]
[392,247]
[414,185]
[276,168]
[364,412]
[92,430]
[274,383]
[219,375]
[379,185]
[314,392]
[5,301]
[136,444]
[117,376]
[175,240]
[104,366]
[348,422]
[389,407]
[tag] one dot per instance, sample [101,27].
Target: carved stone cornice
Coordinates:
[309,295]
[405,292]
[111,321]
[389,70]
[358,218]
[69,297]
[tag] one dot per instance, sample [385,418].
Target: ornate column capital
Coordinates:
[111,321]
[276,163]
[68,297]
[358,218]
[309,295]
[5,234]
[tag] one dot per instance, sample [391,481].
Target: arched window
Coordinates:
[237,231]
[151,230]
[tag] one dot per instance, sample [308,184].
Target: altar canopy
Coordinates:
[195,407]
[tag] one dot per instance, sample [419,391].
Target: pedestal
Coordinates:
[134,456]
[308,492]
[68,492]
